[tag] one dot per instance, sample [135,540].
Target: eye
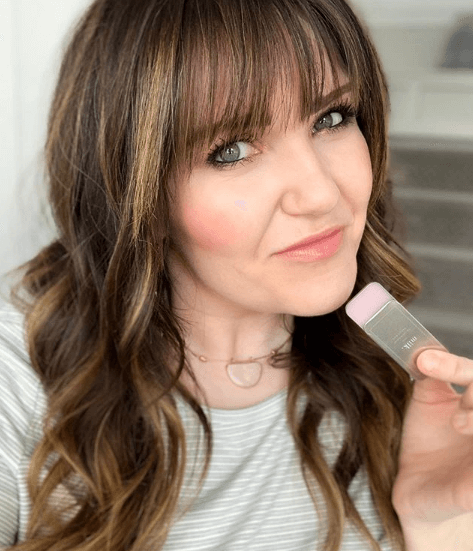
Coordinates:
[232,152]
[329,121]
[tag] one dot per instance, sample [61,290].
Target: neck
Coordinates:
[219,347]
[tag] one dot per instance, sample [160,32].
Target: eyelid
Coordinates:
[343,100]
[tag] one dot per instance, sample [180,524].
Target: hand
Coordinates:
[434,486]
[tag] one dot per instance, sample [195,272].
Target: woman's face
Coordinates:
[248,201]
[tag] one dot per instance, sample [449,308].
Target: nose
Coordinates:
[308,177]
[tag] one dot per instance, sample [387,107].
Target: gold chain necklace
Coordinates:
[243,373]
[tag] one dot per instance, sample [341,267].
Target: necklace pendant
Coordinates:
[245,374]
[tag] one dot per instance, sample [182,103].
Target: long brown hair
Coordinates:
[137,101]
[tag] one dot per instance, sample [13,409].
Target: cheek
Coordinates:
[212,230]
[358,174]
[366,181]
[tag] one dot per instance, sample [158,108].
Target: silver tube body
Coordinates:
[401,336]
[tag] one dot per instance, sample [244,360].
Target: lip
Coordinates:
[311,240]
[322,248]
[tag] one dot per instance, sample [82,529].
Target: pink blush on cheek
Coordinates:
[211,230]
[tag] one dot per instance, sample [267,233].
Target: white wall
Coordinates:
[31,35]
[411,13]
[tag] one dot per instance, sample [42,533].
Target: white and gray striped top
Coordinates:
[253,499]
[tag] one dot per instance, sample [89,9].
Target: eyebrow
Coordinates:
[334,94]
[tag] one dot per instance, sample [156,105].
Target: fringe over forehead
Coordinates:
[235,57]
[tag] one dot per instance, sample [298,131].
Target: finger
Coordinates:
[447,367]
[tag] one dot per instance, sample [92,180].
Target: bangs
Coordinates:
[238,59]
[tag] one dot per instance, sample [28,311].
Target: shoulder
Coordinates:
[23,398]
[12,338]
[17,377]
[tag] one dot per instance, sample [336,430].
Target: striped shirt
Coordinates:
[254,497]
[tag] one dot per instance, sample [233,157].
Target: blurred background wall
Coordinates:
[431,140]
[32,34]
[427,50]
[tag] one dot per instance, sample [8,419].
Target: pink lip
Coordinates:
[318,249]
[310,240]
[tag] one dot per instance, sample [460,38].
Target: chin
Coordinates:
[320,310]
[329,296]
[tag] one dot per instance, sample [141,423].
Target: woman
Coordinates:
[190,143]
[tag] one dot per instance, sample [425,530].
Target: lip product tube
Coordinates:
[393,328]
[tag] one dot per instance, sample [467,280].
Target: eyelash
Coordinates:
[346,109]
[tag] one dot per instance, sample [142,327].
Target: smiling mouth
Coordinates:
[317,250]
[309,241]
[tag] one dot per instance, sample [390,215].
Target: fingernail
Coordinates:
[430,361]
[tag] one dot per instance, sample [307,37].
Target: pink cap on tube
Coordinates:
[367,302]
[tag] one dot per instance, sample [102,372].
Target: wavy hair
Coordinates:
[136,102]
